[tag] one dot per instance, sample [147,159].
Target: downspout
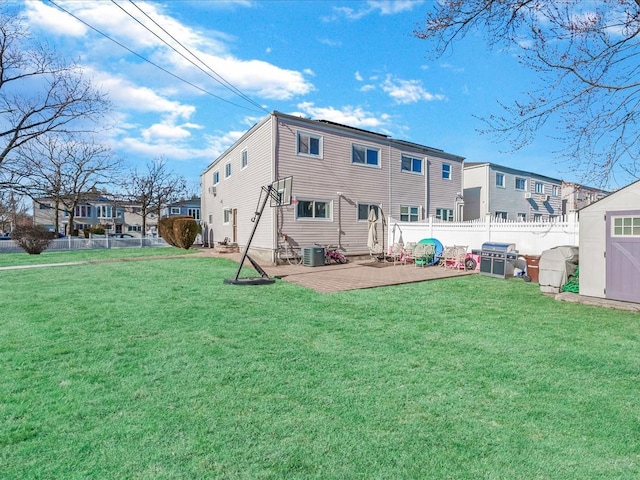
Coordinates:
[274,171]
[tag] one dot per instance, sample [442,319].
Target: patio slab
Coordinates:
[354,275]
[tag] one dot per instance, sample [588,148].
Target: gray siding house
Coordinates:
[509,194]
[339,173]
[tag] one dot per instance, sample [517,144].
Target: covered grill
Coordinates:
[498,259]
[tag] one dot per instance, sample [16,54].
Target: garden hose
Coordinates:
[573,285]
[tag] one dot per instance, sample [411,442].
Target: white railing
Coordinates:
[94,243]
[530,238]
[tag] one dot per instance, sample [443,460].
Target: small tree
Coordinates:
[33,239]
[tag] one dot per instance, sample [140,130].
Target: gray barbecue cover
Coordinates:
[555,267]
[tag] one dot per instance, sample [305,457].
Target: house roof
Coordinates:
[334,125]
[509,169]
[612,196]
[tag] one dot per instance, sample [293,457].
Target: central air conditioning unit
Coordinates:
[213,190]
[527,195]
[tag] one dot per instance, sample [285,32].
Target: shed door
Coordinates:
[623,256]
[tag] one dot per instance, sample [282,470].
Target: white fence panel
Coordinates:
[94,243]
[530,238]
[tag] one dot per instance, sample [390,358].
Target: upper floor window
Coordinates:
[216,177]
[245,158]
[411,164]
[554,190]
[521,183]
[500,180]
[44,206]
[365,208]
[309,144]
[539,187]
[104,211]
[445,214]
[194,212]
[227,170]
[313,209]
[82,211]
[175,210]
[365,155]
[409,213]
[446,171]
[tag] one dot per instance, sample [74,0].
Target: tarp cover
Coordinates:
[555,267]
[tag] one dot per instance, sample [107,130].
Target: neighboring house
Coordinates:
[190,207]
[610,246]
[339,174]
[109,211]
[576,196]
[509,194]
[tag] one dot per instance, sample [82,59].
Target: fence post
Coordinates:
[487,226]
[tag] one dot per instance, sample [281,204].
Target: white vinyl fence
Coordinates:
[94,243]
[530,238]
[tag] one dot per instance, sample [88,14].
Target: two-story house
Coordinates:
[115,214]
[576,196]
[339,174]
[509,194]
[190,207]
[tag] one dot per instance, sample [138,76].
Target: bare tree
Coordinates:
[13,211]
[153,189]
[39,94]
[587,56]
[68,170]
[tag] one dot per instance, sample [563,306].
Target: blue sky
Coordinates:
[355,63]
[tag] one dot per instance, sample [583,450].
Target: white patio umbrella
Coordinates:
[372,239]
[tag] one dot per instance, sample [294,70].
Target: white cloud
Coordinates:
[358,77]
[383,7]
[50,19]
[408,91]
[348,115]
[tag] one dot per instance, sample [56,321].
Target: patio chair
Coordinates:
[408,251]
[448,257]
[376,253]
[460,257]
[419,256]
[397,253]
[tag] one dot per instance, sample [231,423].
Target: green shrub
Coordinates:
[95,230]
[33,239]
[185,231]
[179,231]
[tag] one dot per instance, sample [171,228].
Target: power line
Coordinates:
[220,79]
[149,61]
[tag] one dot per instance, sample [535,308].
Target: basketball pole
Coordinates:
[265,278]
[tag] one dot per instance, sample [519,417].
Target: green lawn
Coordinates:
[156,369]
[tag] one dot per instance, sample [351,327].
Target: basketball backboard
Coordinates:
[281,192]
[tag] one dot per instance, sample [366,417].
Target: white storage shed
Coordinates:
[610,246]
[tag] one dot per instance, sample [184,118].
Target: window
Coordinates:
[134,228]
[501,215]
[409,213]
[313,209]
[175,210]
[227,170]
[626,226]
[210,218]
[537,217]
[44,206]
[83,211]
[365,155]
[194,212]
[539,187]
[522,217]
[500,180]
[446,171]
[445,214]
[216,177]
[554,190]
[104,211]
[364,208]
[411,164]
[226,216]
[309,144]
[521,183]
[245,158]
